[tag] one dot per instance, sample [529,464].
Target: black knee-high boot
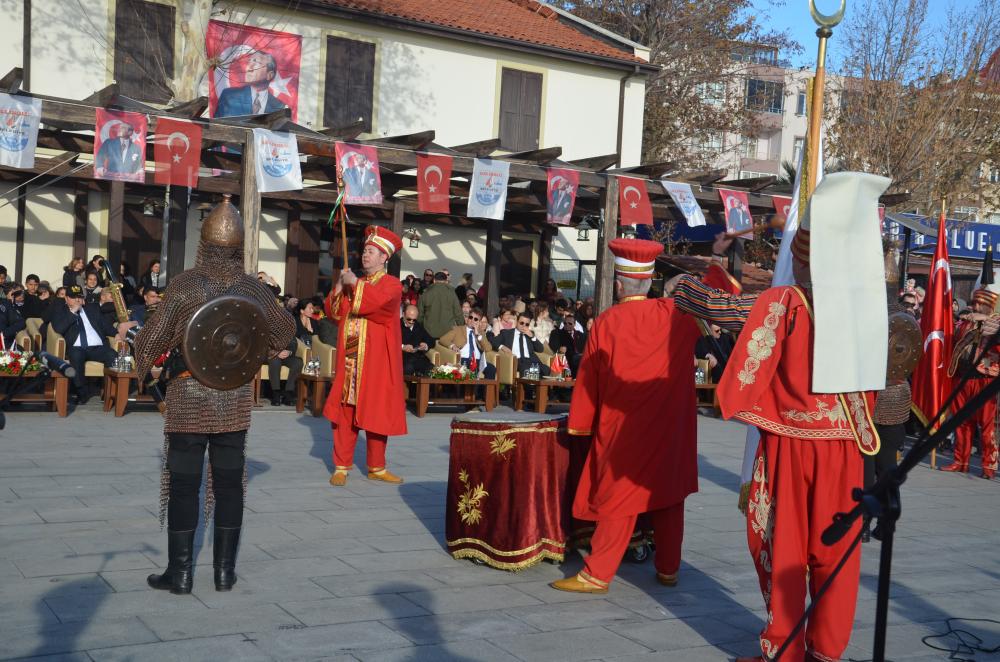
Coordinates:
[224,557]
[178,578]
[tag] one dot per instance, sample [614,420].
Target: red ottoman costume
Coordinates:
[367,392]
[967,347]
[635,373]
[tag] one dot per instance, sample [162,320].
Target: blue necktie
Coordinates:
[83,330]
[472,345]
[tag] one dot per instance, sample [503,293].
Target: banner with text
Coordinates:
[683,197]
[19,120]
[278,167]
[488,189]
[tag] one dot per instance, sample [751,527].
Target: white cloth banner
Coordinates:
[683,197]
[19,120]
[488,189]
[278,167]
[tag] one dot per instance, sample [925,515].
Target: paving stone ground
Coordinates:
[361,573]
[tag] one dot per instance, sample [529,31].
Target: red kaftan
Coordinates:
[369,371]
[635,394]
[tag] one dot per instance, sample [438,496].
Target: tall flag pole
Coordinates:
[931,383]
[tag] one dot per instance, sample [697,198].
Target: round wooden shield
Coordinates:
[225,342]
[904,346]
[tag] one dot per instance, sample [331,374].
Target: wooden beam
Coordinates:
[545,257]
[11,81]
[597,163]
[398,218]
[479,148]
[749,184]
[648,170]
[81,215]
[177,216]
[417,140]
[192,109]
[116,215]
[545,155]
[604,294]
[22,213]
[250,204]
[102,97]
[494,243]
[291,286]
[346,132]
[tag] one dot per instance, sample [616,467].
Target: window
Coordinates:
[966,210]
[755,55]
[714,94]
[995,175]
[144,50]
[797,146]
[800,103]
[765,95]
[752,174]
[520,109]
[350,82]
[749,148]
[712,142]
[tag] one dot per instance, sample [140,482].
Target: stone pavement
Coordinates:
[361,574]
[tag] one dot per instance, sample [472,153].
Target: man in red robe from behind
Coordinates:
[635,374]
[367,391]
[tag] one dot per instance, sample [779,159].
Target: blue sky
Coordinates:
[794,16]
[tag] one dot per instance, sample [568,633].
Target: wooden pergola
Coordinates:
[68,128]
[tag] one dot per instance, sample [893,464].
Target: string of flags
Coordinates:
[120,143]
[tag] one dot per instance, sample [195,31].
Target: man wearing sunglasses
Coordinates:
[521,342]
[470,343]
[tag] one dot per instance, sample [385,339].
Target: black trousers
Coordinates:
[416,363]
[892,437]
[185,457]
[78,357]
[294,365]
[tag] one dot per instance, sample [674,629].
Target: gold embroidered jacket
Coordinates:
[767,381]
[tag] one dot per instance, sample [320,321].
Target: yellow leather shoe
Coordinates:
[338,479]
[580,583]
[667,580]
[385,476]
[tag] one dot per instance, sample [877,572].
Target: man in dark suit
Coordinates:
[150,300]
[85,331]
[569,337]
[253,97]
[119,155]
[521,342]
[416,342]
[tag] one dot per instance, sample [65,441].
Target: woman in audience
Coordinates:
[73,273]
[152,277]
[542,325]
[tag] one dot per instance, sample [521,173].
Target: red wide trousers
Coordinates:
[798,485]
[984,419]
[611,538]
[345,438]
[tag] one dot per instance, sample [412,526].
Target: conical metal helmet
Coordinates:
[223,226]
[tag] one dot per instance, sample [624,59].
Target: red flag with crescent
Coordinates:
[633,202]
[561,195]
[781,207]
[931,383]
[433,183]
[177,152]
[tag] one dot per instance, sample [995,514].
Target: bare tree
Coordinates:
[705,50]
[913,105]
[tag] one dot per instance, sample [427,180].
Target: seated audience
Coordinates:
[572,338]
[520,342]
[86,333]
[471,344]
[416,342]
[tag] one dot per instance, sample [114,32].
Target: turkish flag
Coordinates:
[176,152]
[433,183]
[633,202]
[931,383]
[781,207]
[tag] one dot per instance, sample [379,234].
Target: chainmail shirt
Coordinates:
[192,406]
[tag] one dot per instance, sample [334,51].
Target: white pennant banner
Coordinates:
[19,120]
[278,167]
[488,189]
[683,197]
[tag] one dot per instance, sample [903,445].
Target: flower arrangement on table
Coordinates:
[455,373]
[14,362]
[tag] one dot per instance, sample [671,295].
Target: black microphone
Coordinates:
[55,363]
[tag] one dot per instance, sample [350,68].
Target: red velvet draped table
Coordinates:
[509,503]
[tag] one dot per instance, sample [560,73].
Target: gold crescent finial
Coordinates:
[824,20]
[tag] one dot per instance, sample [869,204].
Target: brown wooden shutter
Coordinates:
[350,82]
[144,49]
[520,109]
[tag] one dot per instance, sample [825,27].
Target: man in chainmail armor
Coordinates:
[198,416]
